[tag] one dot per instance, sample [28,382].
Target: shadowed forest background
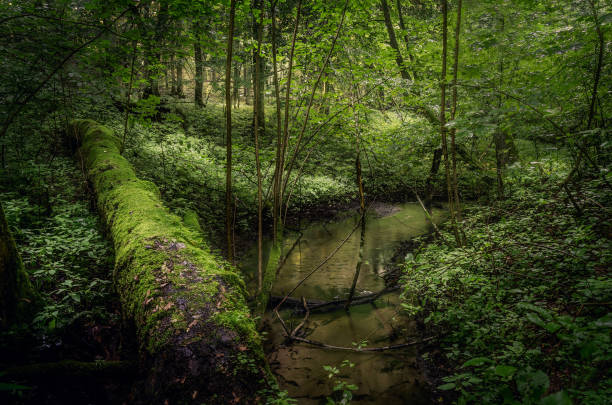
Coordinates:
[305,201]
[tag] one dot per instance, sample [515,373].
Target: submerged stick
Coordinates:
[314,305]
[363,349]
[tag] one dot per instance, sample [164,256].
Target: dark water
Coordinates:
[389,377]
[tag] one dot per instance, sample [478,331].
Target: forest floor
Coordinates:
[63,247]
[522,311]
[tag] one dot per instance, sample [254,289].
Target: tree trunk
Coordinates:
[362,210]
[433,172]
[179,78]
[453,131]
[443,129]
[393,40]
[600,55]
[278,170]
[235,90]
[287,102]
[499,136]
[257,84]
[18,299]
[195,335]
[228,136]
[172,75]
[258,66]
[199,69]
[406,39]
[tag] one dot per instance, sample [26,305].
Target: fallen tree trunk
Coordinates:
[73,369]
[197,341]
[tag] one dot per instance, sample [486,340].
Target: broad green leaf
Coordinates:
[477,361]
[504,370]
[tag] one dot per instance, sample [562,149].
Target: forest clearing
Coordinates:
[305,202]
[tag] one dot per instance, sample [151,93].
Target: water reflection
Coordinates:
[383,377]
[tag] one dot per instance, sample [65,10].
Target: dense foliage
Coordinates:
[498,109]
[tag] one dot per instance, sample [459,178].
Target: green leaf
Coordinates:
[606,19]
[504,370]
[558,398]
[477,361]
[552,327]
[534,318]
[446,387]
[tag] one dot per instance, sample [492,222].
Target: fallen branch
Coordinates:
[362,349]
[297,328]
[314,305]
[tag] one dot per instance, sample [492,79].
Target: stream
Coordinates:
[389,377]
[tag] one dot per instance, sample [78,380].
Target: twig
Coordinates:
[320,264]
[297,328]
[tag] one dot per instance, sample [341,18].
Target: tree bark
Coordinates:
[453,131]
[393,40]
[258,65]
[499,136]
[18,299]
[600,55]
[228,135]
[433,172]
[179,78]
[257,105]
[278,172]
[443,129]
[406,38]
[199,69]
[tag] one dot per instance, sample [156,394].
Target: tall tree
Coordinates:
[228,134]
[499,135]
[257,7]
[443,128]
[199,68]
[393,40]
[257,105]
[278,164]
[453,131]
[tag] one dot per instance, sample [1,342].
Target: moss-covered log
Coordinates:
[195,333]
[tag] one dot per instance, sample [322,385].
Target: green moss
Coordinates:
[190,218]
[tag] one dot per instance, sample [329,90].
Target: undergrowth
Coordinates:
[61,245]
[523,311]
